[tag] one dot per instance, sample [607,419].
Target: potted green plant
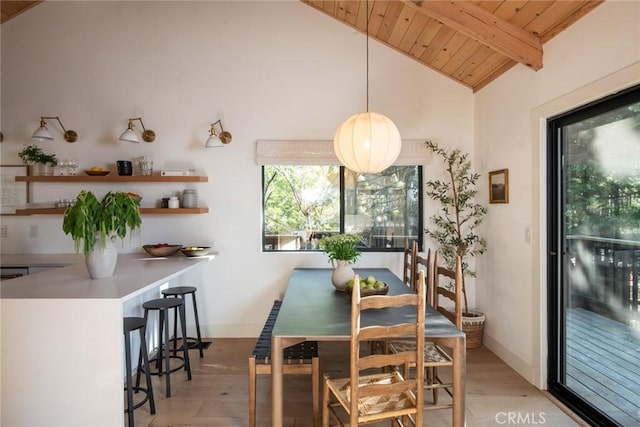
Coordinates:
[342,251]
[94,225]
[35,156]
[455,224]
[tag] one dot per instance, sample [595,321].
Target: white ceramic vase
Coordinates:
[342,273]
[101,262]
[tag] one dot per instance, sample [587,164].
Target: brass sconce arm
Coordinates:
[147,134]
[217,139]
[43,134]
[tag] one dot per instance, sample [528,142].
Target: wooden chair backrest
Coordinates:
[423,264]
[448,290]
[408,266]
[360,362]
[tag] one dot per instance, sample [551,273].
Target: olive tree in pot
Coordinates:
[94,225]
[455,224]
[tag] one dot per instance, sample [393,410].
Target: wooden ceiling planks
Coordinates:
[9,9]
[446,35]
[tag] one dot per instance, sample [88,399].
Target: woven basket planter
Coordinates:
[473,327]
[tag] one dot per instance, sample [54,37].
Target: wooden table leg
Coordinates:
[276,381]
[459,380]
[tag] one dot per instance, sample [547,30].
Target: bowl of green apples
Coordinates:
[369,286]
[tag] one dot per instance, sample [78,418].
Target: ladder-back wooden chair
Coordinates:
[378,396]
[409,261]
[434,355]
[423,263]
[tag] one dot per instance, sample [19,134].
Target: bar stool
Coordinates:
[131,324]
[181,292]
[163,305]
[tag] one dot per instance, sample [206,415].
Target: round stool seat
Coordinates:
[162,304]
[131,324]
[179,290]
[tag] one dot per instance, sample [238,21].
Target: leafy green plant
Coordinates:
[89,220]
[32,154]
[459,215]
[341,247]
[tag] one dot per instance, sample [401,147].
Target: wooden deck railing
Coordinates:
[604,276]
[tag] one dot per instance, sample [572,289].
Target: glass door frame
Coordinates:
[556,251]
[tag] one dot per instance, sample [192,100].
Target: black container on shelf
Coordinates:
[125,167]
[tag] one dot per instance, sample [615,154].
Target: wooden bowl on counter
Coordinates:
[161,250]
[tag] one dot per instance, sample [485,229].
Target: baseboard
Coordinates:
[516,363]
[232,330]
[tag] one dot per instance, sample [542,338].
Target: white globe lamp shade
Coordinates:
[367,143]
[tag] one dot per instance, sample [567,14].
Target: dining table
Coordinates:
[313,310]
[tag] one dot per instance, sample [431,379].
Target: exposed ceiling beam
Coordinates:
[486,28]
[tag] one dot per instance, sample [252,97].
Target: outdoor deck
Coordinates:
[603,364]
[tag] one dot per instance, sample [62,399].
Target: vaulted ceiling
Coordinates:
[472,42]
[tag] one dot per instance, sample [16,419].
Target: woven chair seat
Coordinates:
[376,404]
[433,354]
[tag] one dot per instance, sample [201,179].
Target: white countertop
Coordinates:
[133,275]
[39,260]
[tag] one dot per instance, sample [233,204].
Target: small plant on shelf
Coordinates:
[32,154]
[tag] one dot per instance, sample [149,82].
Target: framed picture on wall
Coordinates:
[13,195]
[499,186]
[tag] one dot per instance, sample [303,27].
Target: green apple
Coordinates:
[350,283]
[371,280]
[378,284]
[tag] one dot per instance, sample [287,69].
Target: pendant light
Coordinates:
[367,142]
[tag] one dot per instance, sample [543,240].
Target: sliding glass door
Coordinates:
[594,259]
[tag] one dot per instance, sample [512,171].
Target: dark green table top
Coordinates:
[312,309]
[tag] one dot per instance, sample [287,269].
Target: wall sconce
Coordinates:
[130,136]
[217,139]
[43,134]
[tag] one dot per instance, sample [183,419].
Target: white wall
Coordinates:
[270,70]
[591,59]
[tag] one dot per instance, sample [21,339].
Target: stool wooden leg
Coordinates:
[195,313]
[185,346]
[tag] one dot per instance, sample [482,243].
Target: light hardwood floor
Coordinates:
[217,396]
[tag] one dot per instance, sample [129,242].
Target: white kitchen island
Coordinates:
[62,341]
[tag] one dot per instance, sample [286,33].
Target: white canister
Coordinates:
[189,199]
[174,203]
